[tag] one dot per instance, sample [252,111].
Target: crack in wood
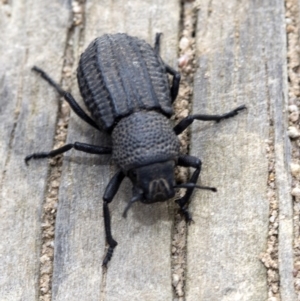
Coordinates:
[55,164]
[270,257]
[17,112]
[293,61]
[182,109]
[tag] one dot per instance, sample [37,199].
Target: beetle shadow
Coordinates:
[90,134]
[202,127]
[90,160]
[149,214]
[145,214]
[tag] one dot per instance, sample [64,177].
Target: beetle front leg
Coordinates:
[110,192]
[185,122]
[189,161]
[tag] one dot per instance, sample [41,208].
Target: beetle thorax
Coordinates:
[144,138]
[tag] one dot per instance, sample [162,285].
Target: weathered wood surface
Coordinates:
[241,51]
[241,57]
[28,114]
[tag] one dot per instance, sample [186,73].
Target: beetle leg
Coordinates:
[170,70]
[185,122]
[157,42]
[109,194]
[175,83]
[189,161]
[87,148]
[68,97]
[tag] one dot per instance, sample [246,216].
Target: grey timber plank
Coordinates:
[241,54]
[141,266]
[282,148]
[29,35]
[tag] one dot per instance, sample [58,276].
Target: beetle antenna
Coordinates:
[134,199]
[192,185]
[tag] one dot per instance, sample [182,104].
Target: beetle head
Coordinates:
[154,182]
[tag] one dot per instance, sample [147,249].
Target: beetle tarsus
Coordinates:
[157,42]
[187,214]
[109,239]
[176,81]
[108,255]
[187,121]
[36,156]
[232,113]
[110,191]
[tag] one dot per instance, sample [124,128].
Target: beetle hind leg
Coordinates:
[176,81]
[68,97]
[176,75]
[157,42]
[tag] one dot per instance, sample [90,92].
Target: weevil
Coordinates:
[124,84]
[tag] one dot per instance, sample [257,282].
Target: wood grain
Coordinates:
[241,60]
[28,113]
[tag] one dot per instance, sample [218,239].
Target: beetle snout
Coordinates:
[155,181]
[159,190]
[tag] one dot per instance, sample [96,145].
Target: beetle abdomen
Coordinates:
[144,138]
[119,75]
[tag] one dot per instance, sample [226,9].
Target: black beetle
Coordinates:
[124,84]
